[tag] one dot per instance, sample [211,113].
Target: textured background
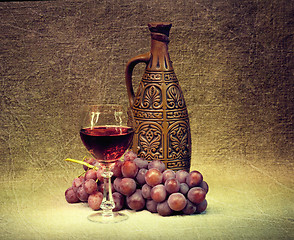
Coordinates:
[234,61]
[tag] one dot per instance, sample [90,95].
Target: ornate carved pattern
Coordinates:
[178,165]
[162,131]
[179,140]
[170,77]
[148,114]
[151,76]
[150,141]
[177,114]
[152,98]
[174,97]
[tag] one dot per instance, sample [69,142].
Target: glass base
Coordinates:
[113,217]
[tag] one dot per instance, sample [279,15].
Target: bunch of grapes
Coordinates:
[139,184]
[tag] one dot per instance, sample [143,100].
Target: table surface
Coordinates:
[245,201]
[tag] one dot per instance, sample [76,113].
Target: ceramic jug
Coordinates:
[162,124]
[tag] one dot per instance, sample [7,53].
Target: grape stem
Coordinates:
[82,162]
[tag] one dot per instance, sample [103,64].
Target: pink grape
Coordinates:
[70,196]
[127,186]
[168,173]
[130,156]
[181,176]
[201,207]
[196,195]
[89,160]
[116,184]
[172,185]
[194,179]
[136,200]
[189,209]
[158,193]
[119,201]
[95,200]
[153,177]
[141,176]
[116,169]
[184,188]
[141,163]
[101,187]
[157,164]
[77,182]
[177,201]
[146,191]
[90,186]
[163,209]
[204,186]
[151,206]
[82,195]
[129,169]
[91,174]
[99,173]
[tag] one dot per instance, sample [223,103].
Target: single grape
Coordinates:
[177,201]
[119,201]
[189,209]
[99,173]
[172,185]
[130,156]
[151,206]
[82,195]
[157,164]
[204,186]
[194,179]
[201,207]
[196,195]
[163,209]
[89,160]
[129,169]
[101,187]
[181,176]
[77,182]
[117,169]
[158,193]
[146,191]
[127,186]
[168,173]
[116,184]
[184,188]
[141,163]
[95,200]
[136,200]
[90,186]
[91,174]
[141,176]
[153,177]
[70,195]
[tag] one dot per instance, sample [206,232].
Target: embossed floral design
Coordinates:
[174,97]
[179,140]
[150,138]
[152,98]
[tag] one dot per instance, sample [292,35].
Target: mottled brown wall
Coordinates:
[234,61]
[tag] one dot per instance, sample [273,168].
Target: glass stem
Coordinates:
[107,203]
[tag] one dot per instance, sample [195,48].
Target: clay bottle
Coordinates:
[162,124]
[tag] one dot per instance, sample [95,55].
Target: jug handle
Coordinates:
[129,71]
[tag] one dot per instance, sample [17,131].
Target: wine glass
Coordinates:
[107,131]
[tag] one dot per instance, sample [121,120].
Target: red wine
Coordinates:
[107,143]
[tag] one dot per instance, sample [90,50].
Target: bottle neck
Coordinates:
[160,60]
